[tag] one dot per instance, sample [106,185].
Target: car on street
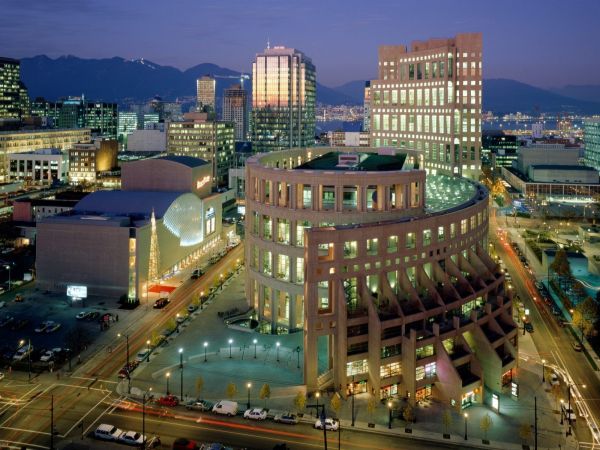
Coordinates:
[52,326]
[577,346]
[554,380]
[161,303]
[82,315]
[184,444]
[47,356]
[142,356]
[255,414]
[127,369]
[330,424]
[168,400]
[23,352]
[6,320]
[180,319]
[132,438]
[528,327]
[226,408]
[214,446]
[192,308]
[199,405]
[287,418]
[93,315]
[107,432]
[568,413]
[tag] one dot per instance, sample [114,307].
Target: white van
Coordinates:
[226,408]
[108,432]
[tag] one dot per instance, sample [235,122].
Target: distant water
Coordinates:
[335,125]
[522,124]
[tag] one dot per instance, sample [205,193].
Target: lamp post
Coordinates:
[181,374]
[168,375]
[543,371]
[317,395]
[466,417]
[278,344]
[562,402]
[524,319]
[254,341]
[353,394]
[205,345]
[144,400]
[568,413]
[230,342]
[21,344]
[126,348]
[389,405]
[249,386]
[148,348]
[7,266]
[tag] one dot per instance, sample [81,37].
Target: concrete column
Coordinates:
[362,198]
[339,195]
[293,196]
[316,200]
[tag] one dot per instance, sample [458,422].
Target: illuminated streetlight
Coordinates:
[254,341]
[466,417]
[168,375]
[205,345]
[278,345]
[389,405]
[148,348]
[249,386]
[230,342]
[543,371]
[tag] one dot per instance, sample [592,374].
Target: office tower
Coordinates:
[151,120]
[367,107]
[200,137]
[283,100]
[128,123]
[591,140]
[205,93]
[235,109]
[102,118]
[14,101]
[428,98]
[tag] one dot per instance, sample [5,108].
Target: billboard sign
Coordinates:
[78,292]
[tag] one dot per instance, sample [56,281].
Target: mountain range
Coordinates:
[121,80]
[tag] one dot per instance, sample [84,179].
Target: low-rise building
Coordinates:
[86,161]
[45,166]
[151,140]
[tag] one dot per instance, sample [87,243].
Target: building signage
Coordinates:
[495,402]
[202,182]
[76,292]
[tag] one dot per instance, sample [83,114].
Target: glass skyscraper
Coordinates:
[235,109]
[14,102]
[283,100]
[591,139]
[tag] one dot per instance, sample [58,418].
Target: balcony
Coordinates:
[465,374]
[491,335]
[458,352]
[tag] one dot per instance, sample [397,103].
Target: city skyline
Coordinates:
[523,50]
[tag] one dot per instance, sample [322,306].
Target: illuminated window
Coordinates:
[390,370]
[426,237]
[410,240]
[392,246]
[210,221]
[372,246]
[350,249]
[357,367]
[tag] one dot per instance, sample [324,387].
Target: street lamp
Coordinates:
[126,348]
[568,413]
[205,345]
[524,319]
[562,402]
[249,386]
[543,371]
[317,395]
[181,373]
[148,348]
[353,394]
[168,375]
[254,341]
[389,405]
[230,342]
[7,266]
[466,417]
[144,399]
[278,344]
[21,344]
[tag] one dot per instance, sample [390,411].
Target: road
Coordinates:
[554,344]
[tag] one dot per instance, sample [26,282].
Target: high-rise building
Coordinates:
[235,109]
[102,118]
[200,137]
[428,98]
[591,139]
[283,100]
[205,93]
[128,123]
[367,107]
[14,101]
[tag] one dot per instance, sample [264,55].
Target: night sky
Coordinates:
[546,43]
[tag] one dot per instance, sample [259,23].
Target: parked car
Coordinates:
[226,408]
[577,346]
[192,308]
[161,303]
[330,424]
[132,438]
[288,418]
[127,369]
[199,405]
[142,356]
[184,444]
[568,413]
[47,356]
[180,319]
[52,326]
[255,414]
[41,327]
[93,315]
[528,327]
[554,380]
[82,315]
[107,432]
[168,400]
[23,352]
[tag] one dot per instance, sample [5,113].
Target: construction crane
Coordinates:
[240,77]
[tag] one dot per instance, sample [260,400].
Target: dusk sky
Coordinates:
[542,42]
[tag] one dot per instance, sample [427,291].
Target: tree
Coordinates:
[408,414]
[172,324]
[231,390]
[485,425]
[561,266]
[300,401]
[371,406]
[196,299]
[586,315]
[447,419]
[155,338]
[265,393]
[579,290]
[199,385]
[525,432]
[335,404]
